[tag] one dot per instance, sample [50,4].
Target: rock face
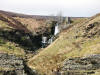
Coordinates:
[81,66]
[11,65]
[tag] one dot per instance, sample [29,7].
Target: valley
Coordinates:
[74,50]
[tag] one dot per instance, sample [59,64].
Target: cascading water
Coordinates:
[56,29]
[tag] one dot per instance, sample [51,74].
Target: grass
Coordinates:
[4,25]
[7,46]
[66,46]
[10,47]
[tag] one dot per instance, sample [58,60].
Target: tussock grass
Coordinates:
[66,46]
[10,48]
[7,46]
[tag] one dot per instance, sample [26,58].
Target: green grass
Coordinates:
[7,46]
[4,25]
[10,47]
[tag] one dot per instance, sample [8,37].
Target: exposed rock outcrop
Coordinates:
[13,65]
[81,66]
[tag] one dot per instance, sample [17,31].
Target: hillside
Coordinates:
[13,23]
[15,37]
[19,37]
[24,31]
[27,24]
[38,17]
[81,39]
[21,34]
[36,24]
[7,46]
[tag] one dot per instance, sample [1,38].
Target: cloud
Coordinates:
[47,7]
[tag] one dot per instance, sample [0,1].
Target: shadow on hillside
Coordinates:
[26,41]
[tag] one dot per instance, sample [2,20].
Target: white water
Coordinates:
[56,30]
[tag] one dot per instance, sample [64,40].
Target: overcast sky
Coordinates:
[73,8]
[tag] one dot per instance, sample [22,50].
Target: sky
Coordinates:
[72,8]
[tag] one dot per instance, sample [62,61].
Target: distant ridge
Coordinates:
[13,14]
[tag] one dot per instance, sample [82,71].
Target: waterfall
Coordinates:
[56,29]
[44,39]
